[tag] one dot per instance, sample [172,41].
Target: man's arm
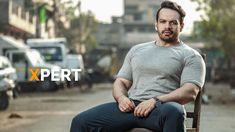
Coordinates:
[187,93]
[120,89]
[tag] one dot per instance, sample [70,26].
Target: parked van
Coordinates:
[22,60]
[75,61]
[53,50]
[22,57]
[9,43]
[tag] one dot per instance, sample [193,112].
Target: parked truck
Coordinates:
[23,58]
[53,50]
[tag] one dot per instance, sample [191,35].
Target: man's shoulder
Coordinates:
[189,50]
[142,45]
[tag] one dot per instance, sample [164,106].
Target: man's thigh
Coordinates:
[152,121]
[109,117]
[159,115]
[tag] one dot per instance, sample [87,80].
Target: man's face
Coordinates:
[168,25]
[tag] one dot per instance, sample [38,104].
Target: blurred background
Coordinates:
[95,35]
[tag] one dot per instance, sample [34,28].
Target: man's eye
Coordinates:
[174,23]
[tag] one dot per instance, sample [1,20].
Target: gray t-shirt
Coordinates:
[156,70]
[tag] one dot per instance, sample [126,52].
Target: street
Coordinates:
[53,112]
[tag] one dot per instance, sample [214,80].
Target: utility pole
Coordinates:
[80,27]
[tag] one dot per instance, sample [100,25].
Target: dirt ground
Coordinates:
[52,112]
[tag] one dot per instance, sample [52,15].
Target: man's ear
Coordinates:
[181,26]
[156,26]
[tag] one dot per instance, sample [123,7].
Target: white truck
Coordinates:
[53,50]
[22,60]
[22,57]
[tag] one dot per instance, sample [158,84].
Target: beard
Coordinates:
[173,37]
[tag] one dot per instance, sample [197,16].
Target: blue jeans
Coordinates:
[165,117]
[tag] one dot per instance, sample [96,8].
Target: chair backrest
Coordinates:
[195,115]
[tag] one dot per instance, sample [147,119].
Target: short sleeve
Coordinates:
[126,69]
[194,71]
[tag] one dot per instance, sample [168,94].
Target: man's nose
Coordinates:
[167,25]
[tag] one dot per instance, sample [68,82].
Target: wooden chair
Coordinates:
[195,114]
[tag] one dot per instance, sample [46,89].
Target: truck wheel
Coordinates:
[27,86]
[4,101]
[47,86]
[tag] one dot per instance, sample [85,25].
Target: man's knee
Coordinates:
[78,124]
[173,110]
[78,120]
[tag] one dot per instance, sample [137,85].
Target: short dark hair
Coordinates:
[173,6]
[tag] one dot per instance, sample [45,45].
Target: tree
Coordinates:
[218,24]
[82,31]
[82,28]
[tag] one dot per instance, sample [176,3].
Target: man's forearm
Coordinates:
[183,95]
[119,89]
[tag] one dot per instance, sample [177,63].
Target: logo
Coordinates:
[39,74]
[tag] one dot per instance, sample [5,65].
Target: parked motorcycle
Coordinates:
[6,92]
[8,83]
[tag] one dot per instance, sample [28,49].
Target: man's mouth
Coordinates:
[167,33]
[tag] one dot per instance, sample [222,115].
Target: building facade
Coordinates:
[110,35]
[139,20]
[15,20]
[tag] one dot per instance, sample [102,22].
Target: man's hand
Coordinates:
[145,107]
[125,104]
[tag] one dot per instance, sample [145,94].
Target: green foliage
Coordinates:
[82,28]
[218,24]
[82,31]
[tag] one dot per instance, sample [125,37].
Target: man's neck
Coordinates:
[166,44]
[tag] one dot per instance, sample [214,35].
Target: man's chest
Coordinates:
[157,63]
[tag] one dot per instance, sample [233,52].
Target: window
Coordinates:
[50,54]
[18,57]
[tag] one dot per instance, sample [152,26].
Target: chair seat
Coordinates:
[146,130]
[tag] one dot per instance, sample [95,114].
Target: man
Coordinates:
[157,78]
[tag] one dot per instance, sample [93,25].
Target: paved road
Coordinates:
[52,112]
